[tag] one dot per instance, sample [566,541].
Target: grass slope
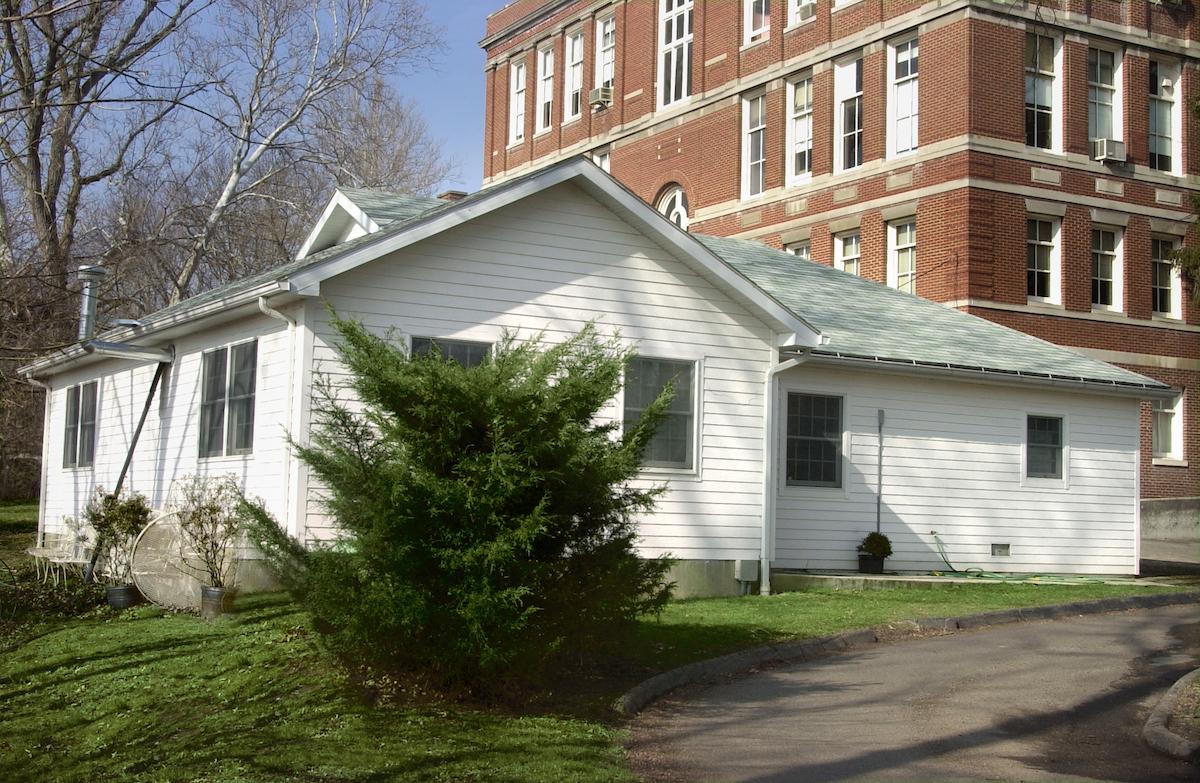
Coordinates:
[18,528]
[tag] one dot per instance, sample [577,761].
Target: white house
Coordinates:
[818,404]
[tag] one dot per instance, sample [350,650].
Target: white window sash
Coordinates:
[799,131]
[754,141]
[1115,274]
[573,78]
[1055,259]
[545,90]
[756,21]
[516,104]
[606,52]
[903,98]
[675,50]
[841,258]
[801,11]
[847,90]
[902,246]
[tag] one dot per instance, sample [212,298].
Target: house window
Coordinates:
[847,249]
[902,75]
[1039,90]
[675,51]
[756,20]
[674,205]
[573,83]
[1103,74]
[754,153]
[848,116]
[801,250]
[79,441]
[800,129]
[227,400]
[1044,447]
[1041,260]
[673,443]
[603,159]
[516,105]
[606,51]
[814,440]
[902,256]
[1162,116]
[468,353]
[800,10]
[1165,285]
[545,89]
[1167,428]
[1106,269]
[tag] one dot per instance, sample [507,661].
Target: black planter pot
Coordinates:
[214,602]
[869,564]
[122,596]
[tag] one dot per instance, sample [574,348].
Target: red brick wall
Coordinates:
[1169,481]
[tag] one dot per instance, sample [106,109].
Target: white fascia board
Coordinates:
[329,222]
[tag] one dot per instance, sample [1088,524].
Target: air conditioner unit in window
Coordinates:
[1109,150]
[807,11]
[600,97]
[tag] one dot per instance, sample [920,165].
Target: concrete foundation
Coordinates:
[703,579]
[1171,519]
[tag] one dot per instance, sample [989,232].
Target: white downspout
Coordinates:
[44,482]
[267,310]
[770,453]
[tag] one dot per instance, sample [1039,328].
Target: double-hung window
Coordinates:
[675,50]
[1044,447]
[79,439]
[848,97]
[1167,429]
[902,256]
[545,89]
[468,353]
[606,51]
[228,378]
[756,20]
[1103,107]
[754,145]
[1165,288]
[847,250]
[1107,277]
[802,249]
[801,10]
[573,79]
[1041,260]
[673,444]
[814,440]
[603,159]
[516,104]
[1163,116]
[902,95]
[800,136]
[1040,51]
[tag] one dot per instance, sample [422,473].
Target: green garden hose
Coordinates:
[979,573]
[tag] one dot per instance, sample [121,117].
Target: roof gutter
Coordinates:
[126,351]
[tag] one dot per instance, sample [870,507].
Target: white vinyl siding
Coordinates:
[516,104]
[606,51]
[675,51]
[573,78]
[950,446]
[545,90]
[903,111]
[754,145]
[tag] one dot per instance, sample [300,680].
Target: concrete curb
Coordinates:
[1156,732]
[644,693]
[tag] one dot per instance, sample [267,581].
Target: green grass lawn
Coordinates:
[18,528]
[152,696]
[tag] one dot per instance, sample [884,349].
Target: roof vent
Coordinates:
[453,195]
[90,276]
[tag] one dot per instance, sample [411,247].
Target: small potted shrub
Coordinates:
[872,551]
[209,514]
[117,520]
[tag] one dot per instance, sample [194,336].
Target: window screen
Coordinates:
[468,353]
[672,444]
[1044,457]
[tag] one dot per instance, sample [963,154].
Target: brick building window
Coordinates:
[675,51]
[801,10]
[573,78]
[603,159]
[1040,58]
[79,436]
[1163,116]
[754,145]
[1106,269]
[1165,286]
[902,97]
[848,117]
[1041,260]
[516,104]
[800,250]
[902,256]
[756,20]
[1103,97]
[847,251]
[674,204]
[800,129]
[606,51]
[545,89]
[1167,428]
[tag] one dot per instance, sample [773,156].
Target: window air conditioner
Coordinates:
[600,97]
[1108,149]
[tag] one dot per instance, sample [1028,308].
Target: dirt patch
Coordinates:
[1185,720]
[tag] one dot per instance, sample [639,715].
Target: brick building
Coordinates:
[1028,162]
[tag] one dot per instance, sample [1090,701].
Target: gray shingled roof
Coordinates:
[386,207]
[863,319]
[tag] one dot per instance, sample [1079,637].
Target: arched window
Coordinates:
[674,205]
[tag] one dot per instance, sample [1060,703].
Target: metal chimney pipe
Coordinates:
[90,276]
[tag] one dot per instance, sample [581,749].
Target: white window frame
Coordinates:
[606,54]
[801,249]
[573,97]
[895,278]
[446,345]
[1055,246]
[545,90]
[847,87]
[1043,482]
[73,431]
[676,53]
[801,11]
[603,159]
[754,169]
[755,35]
[839,256]
[673,204]
[1055,74]
[1172,74]
[906,143]
[1174,409]
[796,120]
[696,411]
[516,103]
[226,451]
[848,475]
[1118,98]
[1176,281]
[1118,268]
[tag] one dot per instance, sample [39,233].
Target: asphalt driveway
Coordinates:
[1029,701]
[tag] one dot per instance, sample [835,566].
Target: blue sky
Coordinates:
[451,95]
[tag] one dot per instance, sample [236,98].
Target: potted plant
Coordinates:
[209,522]
[117,520]
[872,551]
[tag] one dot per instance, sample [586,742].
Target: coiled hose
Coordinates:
[979,573]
